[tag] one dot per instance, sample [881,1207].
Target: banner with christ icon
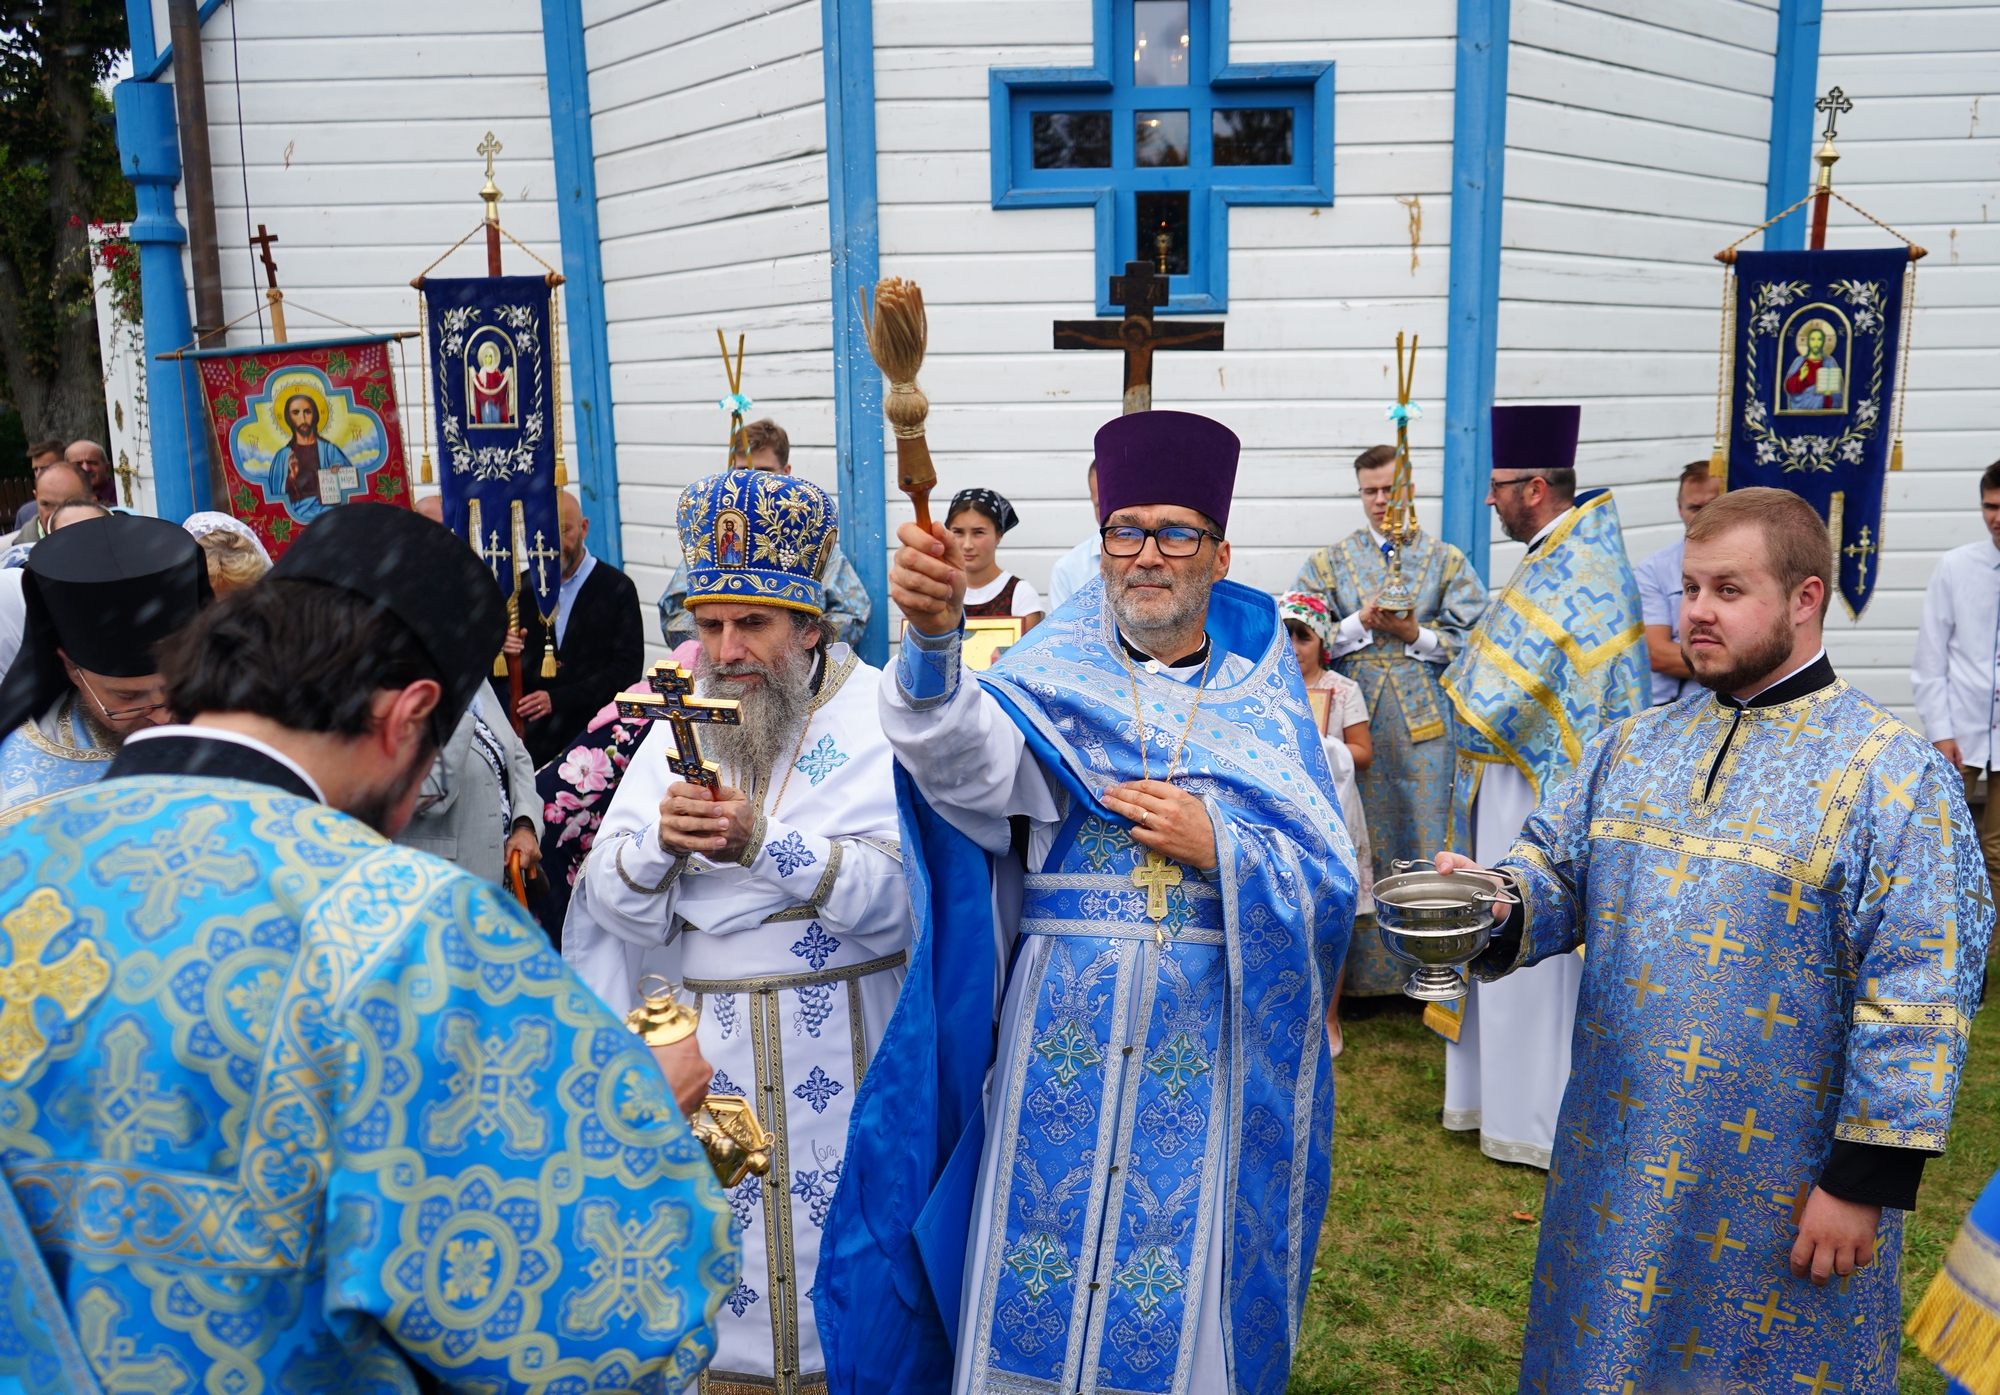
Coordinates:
[301,428]
[1815,348]
[493,377]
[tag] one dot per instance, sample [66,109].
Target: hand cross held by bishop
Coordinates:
[670,701]
[1138,291]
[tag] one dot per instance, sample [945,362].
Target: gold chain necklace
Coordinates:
[1156,874]
[1138,714]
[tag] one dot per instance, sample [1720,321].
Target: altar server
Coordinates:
[1396,657]
[1557,657]
[778,900]
[100,595]
[290,1107]
[1786,915]
[1132,863]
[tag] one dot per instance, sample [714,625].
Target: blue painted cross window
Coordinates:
[1160,136]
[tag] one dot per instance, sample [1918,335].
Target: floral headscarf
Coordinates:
[1309,610]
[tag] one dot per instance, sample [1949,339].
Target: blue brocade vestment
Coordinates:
[1163,1092]
[1787,918]
[285,1103]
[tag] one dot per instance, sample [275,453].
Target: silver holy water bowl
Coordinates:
[1438,921]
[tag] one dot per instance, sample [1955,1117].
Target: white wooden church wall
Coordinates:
[1919,152]
[1316,294]
[1638,133]
[353,124]
[710,135]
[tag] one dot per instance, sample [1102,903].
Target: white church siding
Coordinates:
[1919,152]
[709,124]
[1316,294]
[1637,142]
[355,137]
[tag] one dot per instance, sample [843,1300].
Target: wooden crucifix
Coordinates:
[1138,291]
[670,701]
[262,242]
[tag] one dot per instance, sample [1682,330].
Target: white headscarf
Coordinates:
[200,524]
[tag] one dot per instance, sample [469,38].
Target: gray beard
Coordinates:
[1190,605]
[772,712]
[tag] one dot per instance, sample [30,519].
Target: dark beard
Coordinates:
[1752,666]
[376,806]
[772,711]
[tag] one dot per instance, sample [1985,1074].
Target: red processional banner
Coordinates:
[302,428]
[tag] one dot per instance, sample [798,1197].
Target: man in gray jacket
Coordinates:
[478,803]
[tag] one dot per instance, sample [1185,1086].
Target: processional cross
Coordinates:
[262,242]
[671,701]
[1138,291]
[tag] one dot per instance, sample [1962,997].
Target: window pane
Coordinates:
[1253,136]
[1159,43]
[1072,140]
[1163,214]
[1160,138]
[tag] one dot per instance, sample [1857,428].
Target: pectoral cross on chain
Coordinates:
[1156,875]
[1138,292]
[670,701]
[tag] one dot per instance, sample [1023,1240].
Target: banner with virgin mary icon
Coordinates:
[492,375]
[301,428]
[1816,343]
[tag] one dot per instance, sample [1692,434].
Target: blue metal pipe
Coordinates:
[149,154]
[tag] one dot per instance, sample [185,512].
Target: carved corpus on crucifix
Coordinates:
[1139,291]
[262,242]
[671,701]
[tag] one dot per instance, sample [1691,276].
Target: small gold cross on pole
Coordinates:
[491,192]
[1156,876]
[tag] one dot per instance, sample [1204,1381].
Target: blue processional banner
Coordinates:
[1817,337]
[492,366]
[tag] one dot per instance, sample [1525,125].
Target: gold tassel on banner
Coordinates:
[549,657]
[424,388]
[562,470]
[1903,366]
[1718,461]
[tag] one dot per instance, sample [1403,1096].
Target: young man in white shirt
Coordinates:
[1659,578]
[1956,672]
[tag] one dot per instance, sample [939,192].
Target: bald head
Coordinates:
[89,457]
[59,483]
[431,506]
[575,529]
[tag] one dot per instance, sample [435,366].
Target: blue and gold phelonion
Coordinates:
[758,538]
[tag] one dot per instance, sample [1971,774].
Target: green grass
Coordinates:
[1423,1272]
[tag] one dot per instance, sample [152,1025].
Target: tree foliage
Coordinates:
[58,173]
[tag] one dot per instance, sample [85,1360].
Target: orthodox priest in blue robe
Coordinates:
[1957,1324]
[1132,863]
[290,1107]
[1397,658]
[100,594]
[1786,913]
[1557,657]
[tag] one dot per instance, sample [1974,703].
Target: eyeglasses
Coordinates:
[1518,479]
[121,715]
[1174,540]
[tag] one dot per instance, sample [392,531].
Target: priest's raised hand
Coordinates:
[927,579]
